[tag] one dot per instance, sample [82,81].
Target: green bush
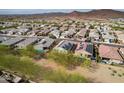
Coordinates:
[68,59]
[64,77]
[117,28]
[2,28]
[25,67]
[4,49]
[28,51]
[86,63]
[21,65]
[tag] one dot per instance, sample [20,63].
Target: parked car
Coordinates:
[105,62]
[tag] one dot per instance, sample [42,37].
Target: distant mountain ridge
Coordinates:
[100,13]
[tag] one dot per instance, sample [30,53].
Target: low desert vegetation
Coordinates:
[1,27]
[21,65]
[24,66]
[115,72]
[68,59]
[28,51]
[63,76]
[117,28]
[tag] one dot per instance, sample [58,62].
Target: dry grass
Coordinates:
[96,73]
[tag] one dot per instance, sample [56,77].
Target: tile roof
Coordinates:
[110,52]
[82,32]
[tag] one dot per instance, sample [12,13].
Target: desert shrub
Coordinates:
[68,59]
[113,74]
[28,51]
[4,49]
[123,74]
[86,63]
[109,68]
[114,71]
[117,28]
[25,67]
[22,65]
[64,77]
[119,75]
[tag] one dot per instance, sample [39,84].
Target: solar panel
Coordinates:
[89,48]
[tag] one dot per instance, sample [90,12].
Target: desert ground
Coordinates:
[98,73]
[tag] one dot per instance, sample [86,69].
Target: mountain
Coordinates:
[99,13]
[75,14]
[103,13]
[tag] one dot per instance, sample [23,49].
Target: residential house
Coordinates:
[94,36]
[120,36]
[106,36]
[121,52]
[12,42]
[68,34]
[2,39]
[33,32]
[26,42]
[43,32]
[110,53]
[44,44]
[65,46]
[55,33]
[81,34]
[53,28]
[84,49]
[22,31]
[9,31]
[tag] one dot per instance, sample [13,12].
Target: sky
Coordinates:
[36,11]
